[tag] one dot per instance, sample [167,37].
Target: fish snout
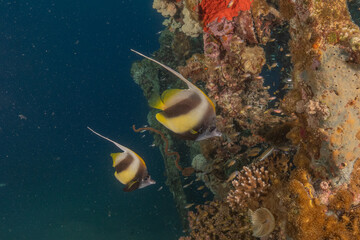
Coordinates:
[151,181]
[146,181]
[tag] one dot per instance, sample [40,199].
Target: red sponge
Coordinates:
[215,10]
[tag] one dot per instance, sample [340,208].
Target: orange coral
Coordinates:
[215,10]
[309,219]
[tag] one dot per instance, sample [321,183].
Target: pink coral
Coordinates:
[211,48]
[223,29]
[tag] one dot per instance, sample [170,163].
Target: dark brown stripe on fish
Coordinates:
[141,172]
[183,106]
[124,164]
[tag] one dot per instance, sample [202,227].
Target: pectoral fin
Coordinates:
[131,186]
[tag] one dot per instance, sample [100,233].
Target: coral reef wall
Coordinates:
[288,155]
[326,77]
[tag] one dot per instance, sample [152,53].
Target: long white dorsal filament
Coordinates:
[188,83]
[125,149]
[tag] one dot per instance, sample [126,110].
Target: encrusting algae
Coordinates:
[289,149]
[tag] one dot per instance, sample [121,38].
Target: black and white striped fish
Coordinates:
[130,168]
[187,112]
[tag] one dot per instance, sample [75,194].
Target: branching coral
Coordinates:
[229,219]
[294,199]
[251,183]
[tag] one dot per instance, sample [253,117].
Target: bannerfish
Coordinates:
[130,168]
[187,112]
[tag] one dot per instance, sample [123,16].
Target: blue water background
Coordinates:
[64,65]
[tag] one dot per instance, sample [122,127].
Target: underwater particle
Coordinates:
[22,117]
[263,222]
[200,188]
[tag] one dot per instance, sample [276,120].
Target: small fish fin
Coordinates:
[131,186]
[156,102]
[168,94]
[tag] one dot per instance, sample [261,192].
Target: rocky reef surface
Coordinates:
[285,78]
